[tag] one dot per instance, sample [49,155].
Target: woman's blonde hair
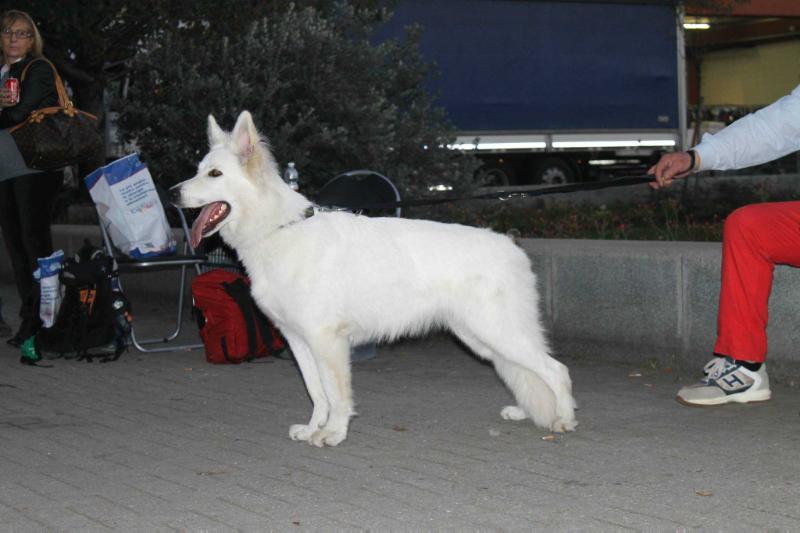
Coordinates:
[12,16]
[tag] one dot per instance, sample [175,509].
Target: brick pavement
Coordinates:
[168,442]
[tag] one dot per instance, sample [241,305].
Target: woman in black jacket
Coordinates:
[26,202]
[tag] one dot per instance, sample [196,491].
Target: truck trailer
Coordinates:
[555,91]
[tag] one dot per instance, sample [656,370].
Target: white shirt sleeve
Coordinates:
[757,138]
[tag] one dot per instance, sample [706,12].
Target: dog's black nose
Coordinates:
[174,195]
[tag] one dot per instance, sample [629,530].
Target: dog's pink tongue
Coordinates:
[200,223]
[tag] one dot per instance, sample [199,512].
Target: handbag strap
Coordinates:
[63,99]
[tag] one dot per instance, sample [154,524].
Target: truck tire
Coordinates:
[495,177]
[553,171]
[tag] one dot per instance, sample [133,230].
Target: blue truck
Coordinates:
[555,91]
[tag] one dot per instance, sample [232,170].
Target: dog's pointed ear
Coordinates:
[215,133]
[245,135]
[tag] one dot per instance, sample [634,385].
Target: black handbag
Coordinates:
[55,137]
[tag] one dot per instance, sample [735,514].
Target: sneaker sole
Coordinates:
[745,397]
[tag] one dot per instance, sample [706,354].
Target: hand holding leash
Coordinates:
[673,166]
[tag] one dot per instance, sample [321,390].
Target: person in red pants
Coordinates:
[755,238]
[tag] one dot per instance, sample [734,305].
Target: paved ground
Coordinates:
[169,442]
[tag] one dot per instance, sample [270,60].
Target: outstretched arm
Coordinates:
[757,138]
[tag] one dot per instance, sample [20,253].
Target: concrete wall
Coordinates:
[637,300]
[620,300]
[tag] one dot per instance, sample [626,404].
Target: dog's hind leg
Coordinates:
[308,368]
[514,376]
[510,412]
[534,398]
[540,384]
[332,355]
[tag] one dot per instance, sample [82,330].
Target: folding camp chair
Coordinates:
[183,260]
[357,190]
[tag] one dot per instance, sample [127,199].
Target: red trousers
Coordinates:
[755,239]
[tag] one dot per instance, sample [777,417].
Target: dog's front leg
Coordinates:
[308,368]
[332,354]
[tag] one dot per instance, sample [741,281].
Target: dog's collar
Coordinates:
[308,213]
[312,210]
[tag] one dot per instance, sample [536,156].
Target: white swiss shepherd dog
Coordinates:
[334,280]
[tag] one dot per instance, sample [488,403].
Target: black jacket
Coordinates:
[37,91]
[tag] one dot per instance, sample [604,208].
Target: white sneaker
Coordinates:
[726,381]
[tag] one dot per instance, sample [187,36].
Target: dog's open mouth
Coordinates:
[208,220]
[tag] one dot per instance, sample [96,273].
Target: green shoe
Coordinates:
[29,354]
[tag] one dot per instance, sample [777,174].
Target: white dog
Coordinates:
[331,280]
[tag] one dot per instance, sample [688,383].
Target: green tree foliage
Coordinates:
[83,41]
[324,95]
[92,43]
[89,42]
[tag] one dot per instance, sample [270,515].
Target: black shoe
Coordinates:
[27,329]
[16,341]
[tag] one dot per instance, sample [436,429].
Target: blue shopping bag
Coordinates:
[130,209]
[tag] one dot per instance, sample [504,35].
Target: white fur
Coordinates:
[338,279]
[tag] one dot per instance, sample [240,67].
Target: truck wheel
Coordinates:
[554,171]
[496,177]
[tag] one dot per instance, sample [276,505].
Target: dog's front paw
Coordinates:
[513,412]
[301,432]
[327,437]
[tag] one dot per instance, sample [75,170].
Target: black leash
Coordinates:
[519,193]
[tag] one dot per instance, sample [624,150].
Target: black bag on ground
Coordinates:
[92,314]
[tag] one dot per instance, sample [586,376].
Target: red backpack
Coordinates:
[231,326]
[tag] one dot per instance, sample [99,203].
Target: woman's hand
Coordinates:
[670,166]
[6,99]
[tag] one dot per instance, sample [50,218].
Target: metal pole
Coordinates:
[683,105]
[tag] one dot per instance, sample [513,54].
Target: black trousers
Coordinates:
[26,210]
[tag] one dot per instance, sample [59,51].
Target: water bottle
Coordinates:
[292,177]
[123,319]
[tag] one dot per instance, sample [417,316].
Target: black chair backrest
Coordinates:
[359,189]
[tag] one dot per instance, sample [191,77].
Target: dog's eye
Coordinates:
[214,173]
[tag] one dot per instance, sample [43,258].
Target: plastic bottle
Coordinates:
[292,177]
